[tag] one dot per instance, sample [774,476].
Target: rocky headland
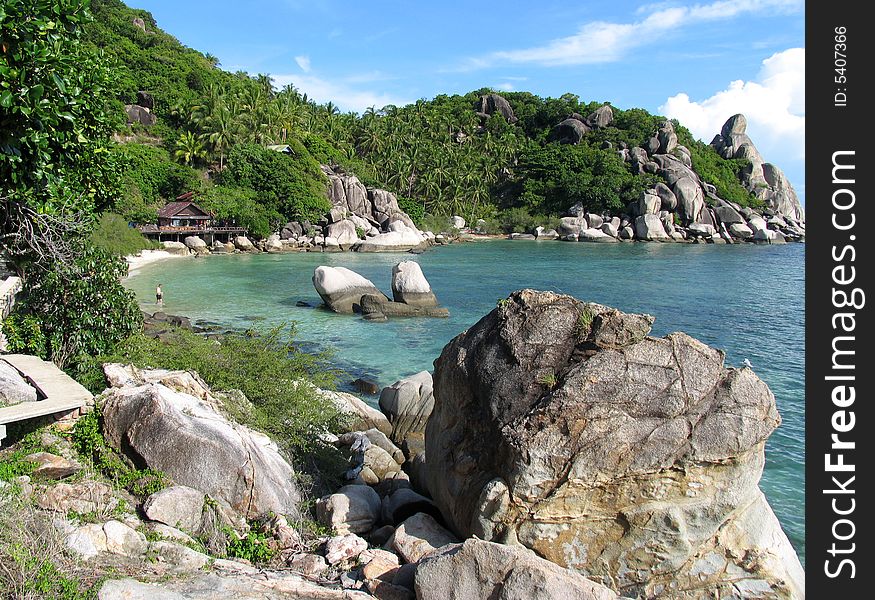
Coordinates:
[559,451]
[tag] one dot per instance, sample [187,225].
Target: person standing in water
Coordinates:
[159,296]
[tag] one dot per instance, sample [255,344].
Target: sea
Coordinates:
[747,300]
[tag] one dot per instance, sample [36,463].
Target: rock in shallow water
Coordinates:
[559,425]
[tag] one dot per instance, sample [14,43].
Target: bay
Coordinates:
[744,299]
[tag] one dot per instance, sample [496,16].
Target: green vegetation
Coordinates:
[113,235]
[584,322]
[548,379]
[253,546]
[89,442]
[438,156]
[81,308]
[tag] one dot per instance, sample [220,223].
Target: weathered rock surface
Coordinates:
[559,425]
[362,415]
[766,181]
[408,404]
[419,536]
[650,228]
[352,509]
[178,506]
[601,117]
[196,244]
[400,237]
[491,103]
[52,466]
[570,131]
[13,388]
[341,289]
[595,235]
[410,286]
[82,497]
[185,436]
[344,547]
[276,585]
[478,569]
[176,248]
[377,307]
[243,243]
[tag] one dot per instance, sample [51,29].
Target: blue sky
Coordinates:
[700,62]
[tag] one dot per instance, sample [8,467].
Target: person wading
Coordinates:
[159,295]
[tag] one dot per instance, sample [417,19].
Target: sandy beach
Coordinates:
[147,257]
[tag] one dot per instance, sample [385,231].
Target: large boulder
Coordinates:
[595,235]
[352,509]
[400,237]
[196,244]
[361,415]
[176,248]
[649,203]
[13,388]
[410,286]
[570,131]
[650,228]
[668,139]
[667,198]
[178,506]
[186,437]
[691,199]
[600,117]
[478,569]
[491,103]
[561,426]
[344,232]
[244,244]
[386,209]
[140,115]
[766,181]
[408,404]
[342,289]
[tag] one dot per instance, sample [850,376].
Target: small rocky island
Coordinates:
[345,291]
[559,451]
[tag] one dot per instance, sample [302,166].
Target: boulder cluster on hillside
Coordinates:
[683,207]
[361,219]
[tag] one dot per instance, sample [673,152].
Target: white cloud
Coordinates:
[604,42]
[304,63]
[506,86]
[774,104]
[342,92]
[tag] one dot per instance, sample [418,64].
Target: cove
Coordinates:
[745,299]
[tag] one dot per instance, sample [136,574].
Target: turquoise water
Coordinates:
[744,299]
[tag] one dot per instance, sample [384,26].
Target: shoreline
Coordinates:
[147,257]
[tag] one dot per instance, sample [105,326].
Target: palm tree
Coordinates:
[221,131]
[189,148]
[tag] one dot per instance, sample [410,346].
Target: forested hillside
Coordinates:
[442,156]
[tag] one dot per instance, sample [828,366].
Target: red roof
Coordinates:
[185,196]
[171,209]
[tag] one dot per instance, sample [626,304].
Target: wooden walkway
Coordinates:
[58,393]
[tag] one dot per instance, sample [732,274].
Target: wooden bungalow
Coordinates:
[182,218]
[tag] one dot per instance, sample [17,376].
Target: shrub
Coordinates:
[291,185]
[252,546]
[82,308]
[115,236]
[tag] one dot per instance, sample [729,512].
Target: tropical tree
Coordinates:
[189,148]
